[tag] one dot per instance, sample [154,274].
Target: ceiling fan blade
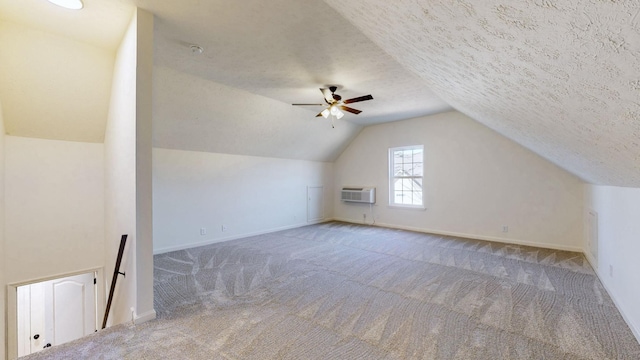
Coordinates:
[319,115]
[308,104]
[328,95]
[351,110]
[357,99]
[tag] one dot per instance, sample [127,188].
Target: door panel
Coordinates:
[24,320]
[315,203]
[73,308]
[38,337]
[55,312]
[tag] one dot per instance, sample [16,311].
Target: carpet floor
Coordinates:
[344,291]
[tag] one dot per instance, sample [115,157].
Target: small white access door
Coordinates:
[55,312]
[315,203]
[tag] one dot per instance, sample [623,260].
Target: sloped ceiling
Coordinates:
[56,67]
[286,50]
[53,87]
[192,113]
[560,77]
[260,57]
[100,23]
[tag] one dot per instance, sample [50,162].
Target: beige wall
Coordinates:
[54,221]
[144,182]
[58,89]
[618,226]
[3,283]
[476,181]
[128,173]
[120,177]
[54,214]
[49,82]
[248,194]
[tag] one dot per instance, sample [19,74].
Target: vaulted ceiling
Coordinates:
[560,77]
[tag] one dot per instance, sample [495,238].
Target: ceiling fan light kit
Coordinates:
[336,104]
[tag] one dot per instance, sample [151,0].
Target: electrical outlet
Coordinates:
[364,217]
[611,270]
[224,228]
[203,231]
[505,228]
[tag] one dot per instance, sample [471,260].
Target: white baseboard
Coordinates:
[470,236]
[234,237]
[143,318]
[627,319]
[592,261]
[587,255]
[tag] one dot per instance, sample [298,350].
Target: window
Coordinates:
[405,176]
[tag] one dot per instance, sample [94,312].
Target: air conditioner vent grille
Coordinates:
[358,194]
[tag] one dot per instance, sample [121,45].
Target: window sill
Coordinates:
[408,207]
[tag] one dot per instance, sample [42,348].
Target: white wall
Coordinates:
[2,252]
[618,229]
[248,194]
[54,220]
[128,193]
[475,180]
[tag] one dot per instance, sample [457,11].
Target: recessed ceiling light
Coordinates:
[69,4]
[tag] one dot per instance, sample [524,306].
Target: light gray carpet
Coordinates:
[343,291]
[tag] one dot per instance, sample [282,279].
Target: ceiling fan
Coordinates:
[335,104]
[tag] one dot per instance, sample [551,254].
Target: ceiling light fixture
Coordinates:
[334,112]
[196,49]
[69,4]
[336,104]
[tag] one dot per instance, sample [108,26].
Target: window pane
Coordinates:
[417,197]
[397,157]
[406,185]
[417,169]
[407,156]
[417,155]
[397,169]
[405,180]
[407,169]
[417,184]
[397,197]
[397,185]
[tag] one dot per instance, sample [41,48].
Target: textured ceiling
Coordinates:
[561,77]
[286,50]
[191,113]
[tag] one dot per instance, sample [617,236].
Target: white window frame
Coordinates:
[393,177]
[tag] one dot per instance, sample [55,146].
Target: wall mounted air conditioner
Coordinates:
[360,194]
